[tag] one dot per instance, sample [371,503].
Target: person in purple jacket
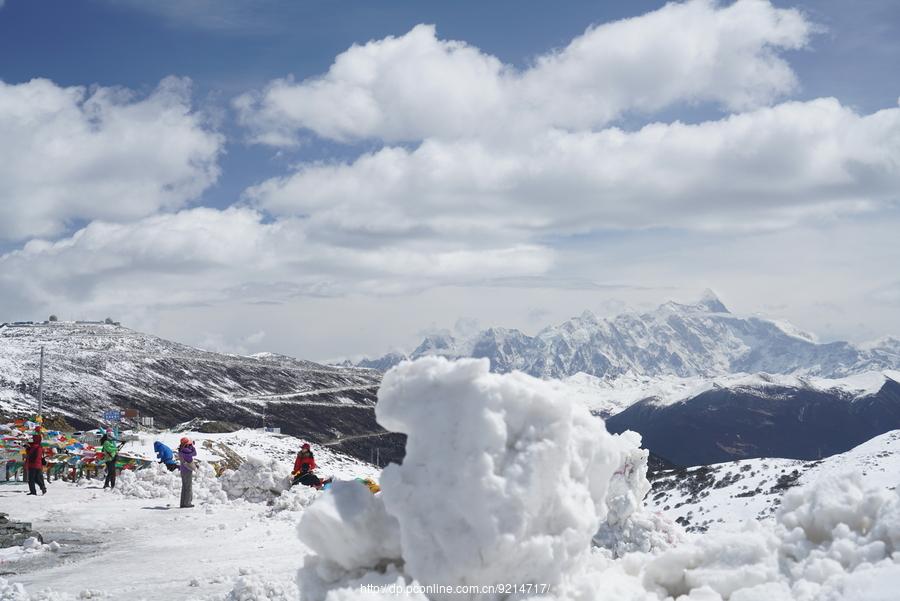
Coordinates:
[186,454]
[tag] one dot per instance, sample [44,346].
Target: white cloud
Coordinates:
[216,15]
[207,256]
[416,86]
[76,154]
[768,168]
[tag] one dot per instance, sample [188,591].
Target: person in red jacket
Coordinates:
[34,466]
[304,465]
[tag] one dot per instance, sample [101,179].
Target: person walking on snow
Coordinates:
[34,468]
[165,456]
[110,456]
[186,454]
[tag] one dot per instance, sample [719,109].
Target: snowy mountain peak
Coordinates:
[684,340]
[710,301]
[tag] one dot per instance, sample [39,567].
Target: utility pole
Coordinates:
[41,385]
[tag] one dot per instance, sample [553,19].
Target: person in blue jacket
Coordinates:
[165,456]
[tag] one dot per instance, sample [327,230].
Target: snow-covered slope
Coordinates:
[90,368]
[763,416]
[702,339]
[728,494]
[609,396]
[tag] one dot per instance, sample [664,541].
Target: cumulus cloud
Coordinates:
[767,168]
[205,256]
[417,86]
[73,154]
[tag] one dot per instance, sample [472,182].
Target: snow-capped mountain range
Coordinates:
[702,339]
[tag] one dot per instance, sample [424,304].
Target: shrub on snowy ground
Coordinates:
[504,478]
[629,526]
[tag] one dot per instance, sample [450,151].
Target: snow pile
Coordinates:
[504,478]
[16,592]
[838,535]
[157,482]
[350,527]
[295,499]
[834,540]
[252,587]
[30,547]
[153,482]
[629,526]
[505,481]
[256,480]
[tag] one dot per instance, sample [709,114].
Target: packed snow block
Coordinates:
[504,479]
[629,526]
[349,526]
[838,525]
[258,479]
[722,562]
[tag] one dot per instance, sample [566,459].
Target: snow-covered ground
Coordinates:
[725,495]
[510,490]
[136,543]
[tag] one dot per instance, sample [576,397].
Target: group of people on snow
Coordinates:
[303,472]
[36,461]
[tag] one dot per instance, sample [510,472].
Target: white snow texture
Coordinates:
[506,481]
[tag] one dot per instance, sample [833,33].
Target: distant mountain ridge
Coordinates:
[94,367]
[702,339]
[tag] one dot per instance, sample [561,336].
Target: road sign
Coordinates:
[112,416]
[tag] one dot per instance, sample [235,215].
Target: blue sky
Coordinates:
[295,171]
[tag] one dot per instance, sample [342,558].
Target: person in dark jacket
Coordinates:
[186,454]
[304,465]
[34,466]
[165,456]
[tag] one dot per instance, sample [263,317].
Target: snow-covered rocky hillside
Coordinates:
[727,494]
[741,417]
[90,368]
[702,339]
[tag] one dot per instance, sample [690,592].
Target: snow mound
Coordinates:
[291,501]
[256,480]
[30,548]
[629,526]
[252,587]
[349,526]
[157,482]
[16,592]
[504,479]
